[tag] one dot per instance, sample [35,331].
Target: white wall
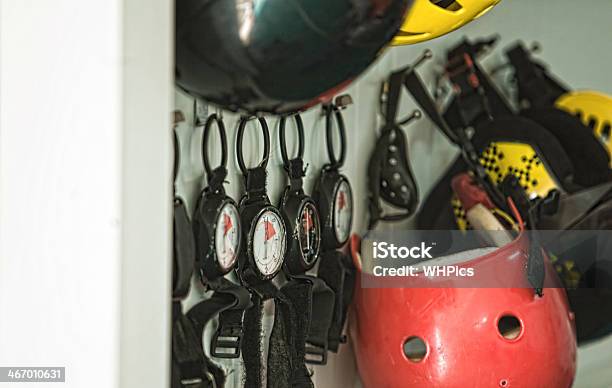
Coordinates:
[574,36]
[85,91]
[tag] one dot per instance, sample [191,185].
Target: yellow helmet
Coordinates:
[508,158]
[595,111]
[429,19]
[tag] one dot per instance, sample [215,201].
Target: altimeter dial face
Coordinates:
[269,244]
[309,231]
[342,211]
[227,237]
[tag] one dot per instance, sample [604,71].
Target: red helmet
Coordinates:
[463,337]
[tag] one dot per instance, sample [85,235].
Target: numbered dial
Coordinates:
[227,237]
[269,243]
[309,231]
[343,211]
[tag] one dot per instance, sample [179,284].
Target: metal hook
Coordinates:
[415,115]
[424,57]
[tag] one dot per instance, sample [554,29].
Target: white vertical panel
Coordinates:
[85,188]
[148,59]
[60,216]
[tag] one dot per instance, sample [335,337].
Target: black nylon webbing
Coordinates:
[285,364]
[322,309]
[252,348]
[335,269]
[535,85]
[190,368]
[255,183]
[477,99]
[299,296]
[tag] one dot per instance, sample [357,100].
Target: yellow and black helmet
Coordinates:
[537,88]
[429,19]
[507,146]
[595,111]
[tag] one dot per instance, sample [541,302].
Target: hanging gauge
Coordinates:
[298,209]
[262,223]
[268,243]
[216,220]
[333,193]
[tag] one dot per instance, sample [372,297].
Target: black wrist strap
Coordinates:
[251,346]
[339,274]
[288,337]
[285,363]
[321,316]
[190,368]
[229,302]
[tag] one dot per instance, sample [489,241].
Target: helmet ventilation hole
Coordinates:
[503,383]
[509,327]
[449,5]
[415,349]
[605,131]
[592,123]
[579,114]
